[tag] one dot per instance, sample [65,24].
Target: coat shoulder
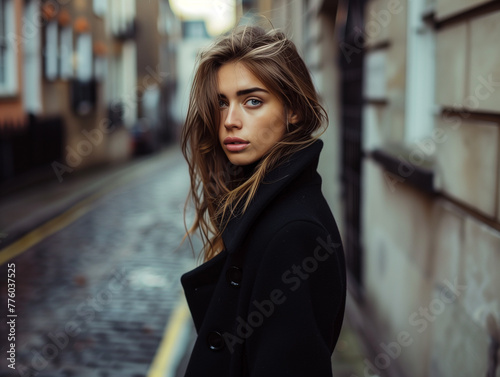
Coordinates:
[302,206]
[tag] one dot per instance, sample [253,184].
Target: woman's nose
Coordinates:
[233,118]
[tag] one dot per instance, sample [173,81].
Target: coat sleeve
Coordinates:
[297,303]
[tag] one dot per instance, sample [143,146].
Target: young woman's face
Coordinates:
[252,118]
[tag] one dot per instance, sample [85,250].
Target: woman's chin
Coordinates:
[239,159]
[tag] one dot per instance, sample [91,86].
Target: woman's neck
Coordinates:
[249,169]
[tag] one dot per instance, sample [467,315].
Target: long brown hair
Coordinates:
[219,190]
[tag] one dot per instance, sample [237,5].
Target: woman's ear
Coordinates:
[293,117]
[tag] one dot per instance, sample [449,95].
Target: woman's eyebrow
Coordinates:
[246,91]
[250,90]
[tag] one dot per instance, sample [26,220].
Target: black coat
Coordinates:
[272,303]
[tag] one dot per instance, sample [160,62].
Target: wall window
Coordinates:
[167,21]
[8,58]
[100,7]
[122,14]
[32,70]
[420,73]
[194,29]
[84,54]
[100,68]
[164,26]
[375,83]
[66,53]
[51,47]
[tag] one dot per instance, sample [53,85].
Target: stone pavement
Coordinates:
[349,356]
[97,282]
[93,298]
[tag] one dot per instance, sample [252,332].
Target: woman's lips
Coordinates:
[235,144]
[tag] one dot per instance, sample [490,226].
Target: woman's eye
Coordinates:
[222,103]
[254,102]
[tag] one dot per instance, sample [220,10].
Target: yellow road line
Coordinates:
[61,221]
[47,229]
[164,356]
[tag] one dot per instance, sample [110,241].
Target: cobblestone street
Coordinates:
[93,299]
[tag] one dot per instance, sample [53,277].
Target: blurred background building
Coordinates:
[83,83]
[410,167]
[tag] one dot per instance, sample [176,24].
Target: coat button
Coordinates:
[215,341]
[233,276]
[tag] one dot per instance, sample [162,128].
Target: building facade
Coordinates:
[78,81]
[430,204]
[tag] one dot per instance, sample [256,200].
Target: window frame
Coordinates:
[100,7]
[9,86]
[84,69]
[100,67]
[66,50]
[51,50]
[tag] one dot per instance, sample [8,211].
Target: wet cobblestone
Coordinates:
[93,299]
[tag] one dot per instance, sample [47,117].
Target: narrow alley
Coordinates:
[93,298]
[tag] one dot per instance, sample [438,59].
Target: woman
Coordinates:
[269,299]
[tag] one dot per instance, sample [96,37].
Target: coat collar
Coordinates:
[274,182]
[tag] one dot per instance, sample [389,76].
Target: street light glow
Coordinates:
[219,15]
